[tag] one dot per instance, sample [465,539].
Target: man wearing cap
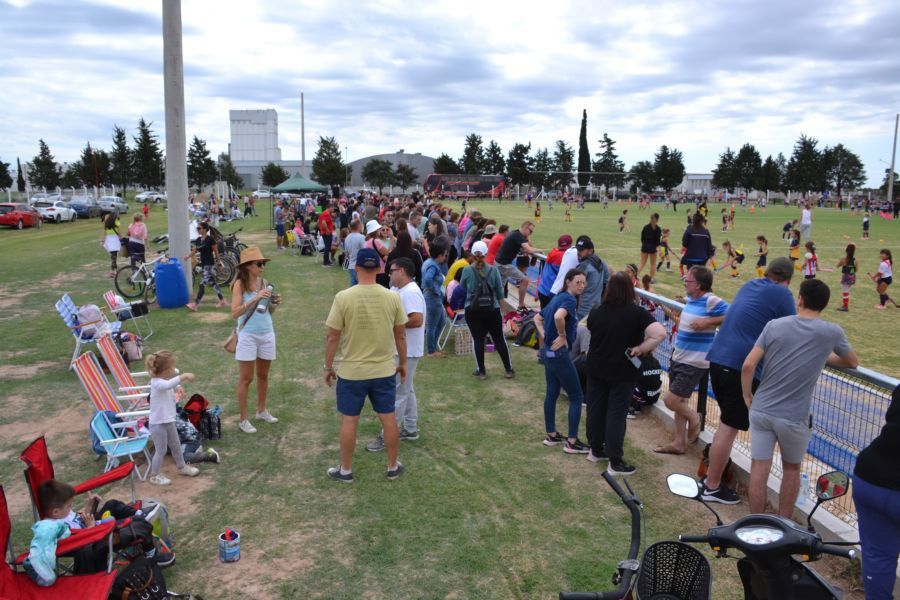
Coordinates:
[756,303]
[596,272]
[515,242]
[551,269]
[367,322]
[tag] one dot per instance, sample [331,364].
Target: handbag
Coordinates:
[230,344]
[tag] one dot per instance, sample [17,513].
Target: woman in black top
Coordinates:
[651,236]
[697,243]
[405,249]
[876,494]
[209,259]
[621,332]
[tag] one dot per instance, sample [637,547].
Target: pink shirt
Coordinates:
[137,232]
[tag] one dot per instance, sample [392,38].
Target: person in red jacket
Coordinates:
[495,242]
[326,230]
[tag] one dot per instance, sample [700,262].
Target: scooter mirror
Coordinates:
[682,485]
[832,485]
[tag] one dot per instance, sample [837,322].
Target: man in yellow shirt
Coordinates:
[364,321]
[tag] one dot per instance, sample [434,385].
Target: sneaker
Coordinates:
[376,445]
[522,310]
[575,447]
[510,374]
[394,473]
[213,455]
[335,473]
[160,479]
[192,306]
[480,375]
[163,558]
[880,306]
[222,303]
[721,494]
[631,413]
[189,471]
[246,427]
[554,439]
[409,435]
[595,458]
[842,309]
[620,467]
[266,416]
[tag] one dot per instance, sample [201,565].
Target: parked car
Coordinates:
[111,203]
[14,214]
[57,212]
[85,206]
[262,194]
[155,197]
[39,197]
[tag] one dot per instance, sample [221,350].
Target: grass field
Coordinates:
[484,510]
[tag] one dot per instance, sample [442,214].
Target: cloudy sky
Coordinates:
[384,75]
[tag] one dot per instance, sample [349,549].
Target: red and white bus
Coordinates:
[465,186]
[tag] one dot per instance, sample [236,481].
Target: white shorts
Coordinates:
[251,346]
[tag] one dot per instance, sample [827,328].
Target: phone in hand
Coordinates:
[635,360]
[93,506]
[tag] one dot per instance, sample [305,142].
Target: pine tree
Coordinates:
[843,169]
[609,170]
[724,176]
[148,157]
[201,169]
[494,163]
[45,173]
[543,169]
[444,165]
[20,177]
[806,168]
[6,179]
[519,164]
[228,173]
[272,175]
[328,165]
[121,168]
[770,175]
[584,155]
[748,168]
[379,173]
[405,176]
[472,161]
[668,167]
[563,164]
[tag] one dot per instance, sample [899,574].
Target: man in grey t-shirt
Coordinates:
[355,240]
[796,349]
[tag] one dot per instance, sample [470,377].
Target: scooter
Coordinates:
[769,543]
[668,570]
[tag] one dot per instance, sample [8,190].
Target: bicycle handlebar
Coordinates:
[694,539]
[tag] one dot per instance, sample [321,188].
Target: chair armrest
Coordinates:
[80,325]
[79,539]
[132,397]
[132,414]
[140,374]
[120,472]
[127,388]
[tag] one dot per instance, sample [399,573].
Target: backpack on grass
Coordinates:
[207,422]
[527,335]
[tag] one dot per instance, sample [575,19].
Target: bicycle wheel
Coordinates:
[225,270]
[150,293]
[130,282]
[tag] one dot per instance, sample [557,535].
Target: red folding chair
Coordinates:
[39,468]
[16,585]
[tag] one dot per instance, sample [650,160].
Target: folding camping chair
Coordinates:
[67,309]
[306,242]
[101,394]
[118,445]
[16,585]
[458,322]
[39,468]
[129,311]
[116,364]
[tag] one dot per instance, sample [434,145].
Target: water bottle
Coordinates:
[264,303]
[803,494]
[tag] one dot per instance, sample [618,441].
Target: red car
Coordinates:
[19,215]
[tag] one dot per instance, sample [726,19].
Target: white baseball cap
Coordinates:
[480,247]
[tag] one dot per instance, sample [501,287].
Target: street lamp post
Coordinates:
[346,167]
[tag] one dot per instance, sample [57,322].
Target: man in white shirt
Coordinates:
[569,261]
[806,222]
[406,409]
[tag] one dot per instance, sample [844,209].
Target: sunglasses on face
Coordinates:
[260,263]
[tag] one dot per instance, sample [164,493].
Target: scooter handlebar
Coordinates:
[837,550]
[693,539]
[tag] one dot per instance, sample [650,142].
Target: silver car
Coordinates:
[112,203]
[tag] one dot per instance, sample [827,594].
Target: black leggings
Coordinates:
[481,324]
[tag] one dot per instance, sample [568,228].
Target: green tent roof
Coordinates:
[299,183]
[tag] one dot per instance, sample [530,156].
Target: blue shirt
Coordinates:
[432,278]
[692,346]
[566,301]
[757,302]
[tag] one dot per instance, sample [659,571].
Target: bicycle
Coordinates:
[133,281]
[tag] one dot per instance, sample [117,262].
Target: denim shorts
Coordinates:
[351,395]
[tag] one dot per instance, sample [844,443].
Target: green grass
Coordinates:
[484,510]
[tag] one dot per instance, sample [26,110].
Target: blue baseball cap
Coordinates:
[367,258]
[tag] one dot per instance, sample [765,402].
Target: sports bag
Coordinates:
[141,580]
[527,335]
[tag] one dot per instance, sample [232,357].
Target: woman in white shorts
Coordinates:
[256,339]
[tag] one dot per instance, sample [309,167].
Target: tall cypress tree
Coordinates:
[148,158]
[45,172]
[121,167]
[20,178]
[584,156]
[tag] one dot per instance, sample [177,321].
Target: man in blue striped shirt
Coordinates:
[702,313]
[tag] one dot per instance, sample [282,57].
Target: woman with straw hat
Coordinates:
[252,304]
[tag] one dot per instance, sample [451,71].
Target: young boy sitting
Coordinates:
[57,499]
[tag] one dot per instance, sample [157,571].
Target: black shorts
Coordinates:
[726,385]
[886,280]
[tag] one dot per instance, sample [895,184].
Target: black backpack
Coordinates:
[141,580]
[649,383]
[482,295]
[527,334]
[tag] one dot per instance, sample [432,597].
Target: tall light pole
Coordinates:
[890,195]
[346,167]
[176,147]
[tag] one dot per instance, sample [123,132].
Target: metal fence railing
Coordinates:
[848,409]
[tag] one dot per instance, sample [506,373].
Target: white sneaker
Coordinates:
[160,479]
[246,427]
[189,471]
[266,416]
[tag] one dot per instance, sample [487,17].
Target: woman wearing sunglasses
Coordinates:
[252,304]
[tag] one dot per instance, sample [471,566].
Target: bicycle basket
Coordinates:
[673,570]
